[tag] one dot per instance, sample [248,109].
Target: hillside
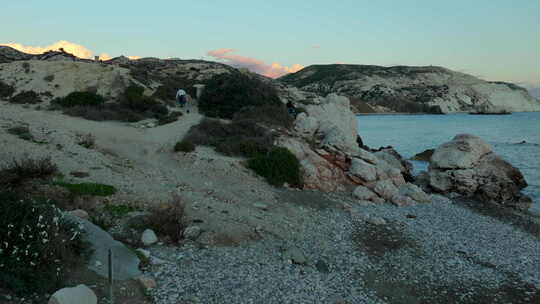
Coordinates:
[56,74]
[412,89]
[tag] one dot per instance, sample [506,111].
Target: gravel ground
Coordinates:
[435,253]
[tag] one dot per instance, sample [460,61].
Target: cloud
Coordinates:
[273,70]
[70,47]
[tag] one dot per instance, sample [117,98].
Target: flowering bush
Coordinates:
[37,244]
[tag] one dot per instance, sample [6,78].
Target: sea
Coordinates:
[515,137]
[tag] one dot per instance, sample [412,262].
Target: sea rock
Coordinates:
[364,194]
[80,294]
[473,170]
[386,189]
[364,170]
[337,124]
[394,159]
[414,192]
[149,237]
[305,125]
[424,156]
[317,171]
[462,152]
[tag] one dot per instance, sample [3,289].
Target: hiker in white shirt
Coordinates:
[181,98]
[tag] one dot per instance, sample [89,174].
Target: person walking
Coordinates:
[181,97]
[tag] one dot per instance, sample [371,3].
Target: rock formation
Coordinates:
[324,140]
[468,166]
[412,89]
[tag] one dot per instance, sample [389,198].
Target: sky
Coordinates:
[491,39]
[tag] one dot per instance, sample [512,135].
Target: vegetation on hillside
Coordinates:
[227,95]
[26,97]
[131,106]
[6,90]
[38,244]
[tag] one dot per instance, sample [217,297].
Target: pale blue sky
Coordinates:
[494,39]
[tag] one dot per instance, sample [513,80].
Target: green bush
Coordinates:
[6,90]
[278,166]
[225,94]
[88,188]
[134,99]
[38,245]
[22,132]
[184,146]
[48,78]
[26,97]
[86,99]
[238,138]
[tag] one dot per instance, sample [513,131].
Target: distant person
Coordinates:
[181,98]
[291,109]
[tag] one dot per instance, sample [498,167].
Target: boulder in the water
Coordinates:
[467,165]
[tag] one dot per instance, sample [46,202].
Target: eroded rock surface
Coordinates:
[468,166]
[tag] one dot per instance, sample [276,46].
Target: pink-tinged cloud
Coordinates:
[70,47]
[273,70]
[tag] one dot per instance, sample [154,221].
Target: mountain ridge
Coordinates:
[430,89]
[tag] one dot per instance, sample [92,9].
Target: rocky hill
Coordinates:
[56,74]
[412,89]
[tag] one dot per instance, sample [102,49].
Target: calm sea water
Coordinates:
[411,134]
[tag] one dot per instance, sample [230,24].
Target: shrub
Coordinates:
[27,168]
[88,188]
[134,99]
[26,67]
[278,166]
[168,219]
[184,146]
[225,94]
[238,138]
[86,99]
[6,90]
[38,245]
[172,117]
[273,115]
[26,97]
[48,78]
[22,132]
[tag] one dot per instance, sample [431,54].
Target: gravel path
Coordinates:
[435,253]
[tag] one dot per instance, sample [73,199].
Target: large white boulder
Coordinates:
[80,294]
[462,152]
[467,166]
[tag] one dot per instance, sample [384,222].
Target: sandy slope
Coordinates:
[142,165]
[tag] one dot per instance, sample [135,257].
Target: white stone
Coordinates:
[462,152]
[386,189]
[192,232]
[364,170]
[80,294]
[364,194]
[414,192]
[149,237]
